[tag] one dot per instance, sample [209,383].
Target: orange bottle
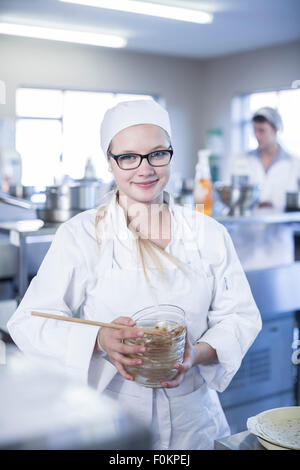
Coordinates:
[203,190]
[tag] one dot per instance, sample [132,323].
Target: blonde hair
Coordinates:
[144,246]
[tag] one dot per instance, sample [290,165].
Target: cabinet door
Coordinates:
[267,368]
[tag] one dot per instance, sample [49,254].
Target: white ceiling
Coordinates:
[239,25]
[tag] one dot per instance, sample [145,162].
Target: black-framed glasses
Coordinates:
[131,161]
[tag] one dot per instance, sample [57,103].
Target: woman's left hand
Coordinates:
[188,362]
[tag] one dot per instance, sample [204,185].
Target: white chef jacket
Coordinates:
[279,178]
[106,282]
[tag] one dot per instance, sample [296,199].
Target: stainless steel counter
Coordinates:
[22,234]
[265,239]
[241,441]
[19,237]
[262,216]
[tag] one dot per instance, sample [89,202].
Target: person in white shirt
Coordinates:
[275,171]
[271,167]
[110,262]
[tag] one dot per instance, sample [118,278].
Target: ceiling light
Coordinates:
[151,9]
[66,35]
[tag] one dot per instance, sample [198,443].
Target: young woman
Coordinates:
[136,250]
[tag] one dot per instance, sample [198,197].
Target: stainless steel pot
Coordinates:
[47,215]
[78,196]
[239,200]
[63,202]
[88,194]
[58,198]
[25,192]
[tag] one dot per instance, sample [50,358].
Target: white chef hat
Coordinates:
[271,115]
[131,113]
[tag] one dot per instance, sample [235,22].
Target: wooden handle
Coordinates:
[95,323]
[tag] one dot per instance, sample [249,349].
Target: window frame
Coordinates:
[243,122]
[64,90]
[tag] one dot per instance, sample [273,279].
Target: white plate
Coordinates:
[270,446]
[279,426]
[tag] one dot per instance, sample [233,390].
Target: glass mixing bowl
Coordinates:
[162,352]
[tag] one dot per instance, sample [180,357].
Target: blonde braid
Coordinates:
[143,246]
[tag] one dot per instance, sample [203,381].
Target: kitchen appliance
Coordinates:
[185,195]
[65,201]
[240,197]
[43,408]
[292,202]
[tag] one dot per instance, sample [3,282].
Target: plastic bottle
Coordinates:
[215,143]
[89,171]
[16,163]
[10,168]
[60,178]
[203,190]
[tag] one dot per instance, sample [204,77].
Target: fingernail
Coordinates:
[140,333]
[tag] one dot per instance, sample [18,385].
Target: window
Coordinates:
[58,130]
[287,103]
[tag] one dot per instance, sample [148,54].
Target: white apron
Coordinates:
[190,415]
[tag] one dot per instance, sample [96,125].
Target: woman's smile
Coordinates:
[146,184]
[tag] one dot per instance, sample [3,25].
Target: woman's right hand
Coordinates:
[111,341]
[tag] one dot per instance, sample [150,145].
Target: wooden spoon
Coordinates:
[96,323]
